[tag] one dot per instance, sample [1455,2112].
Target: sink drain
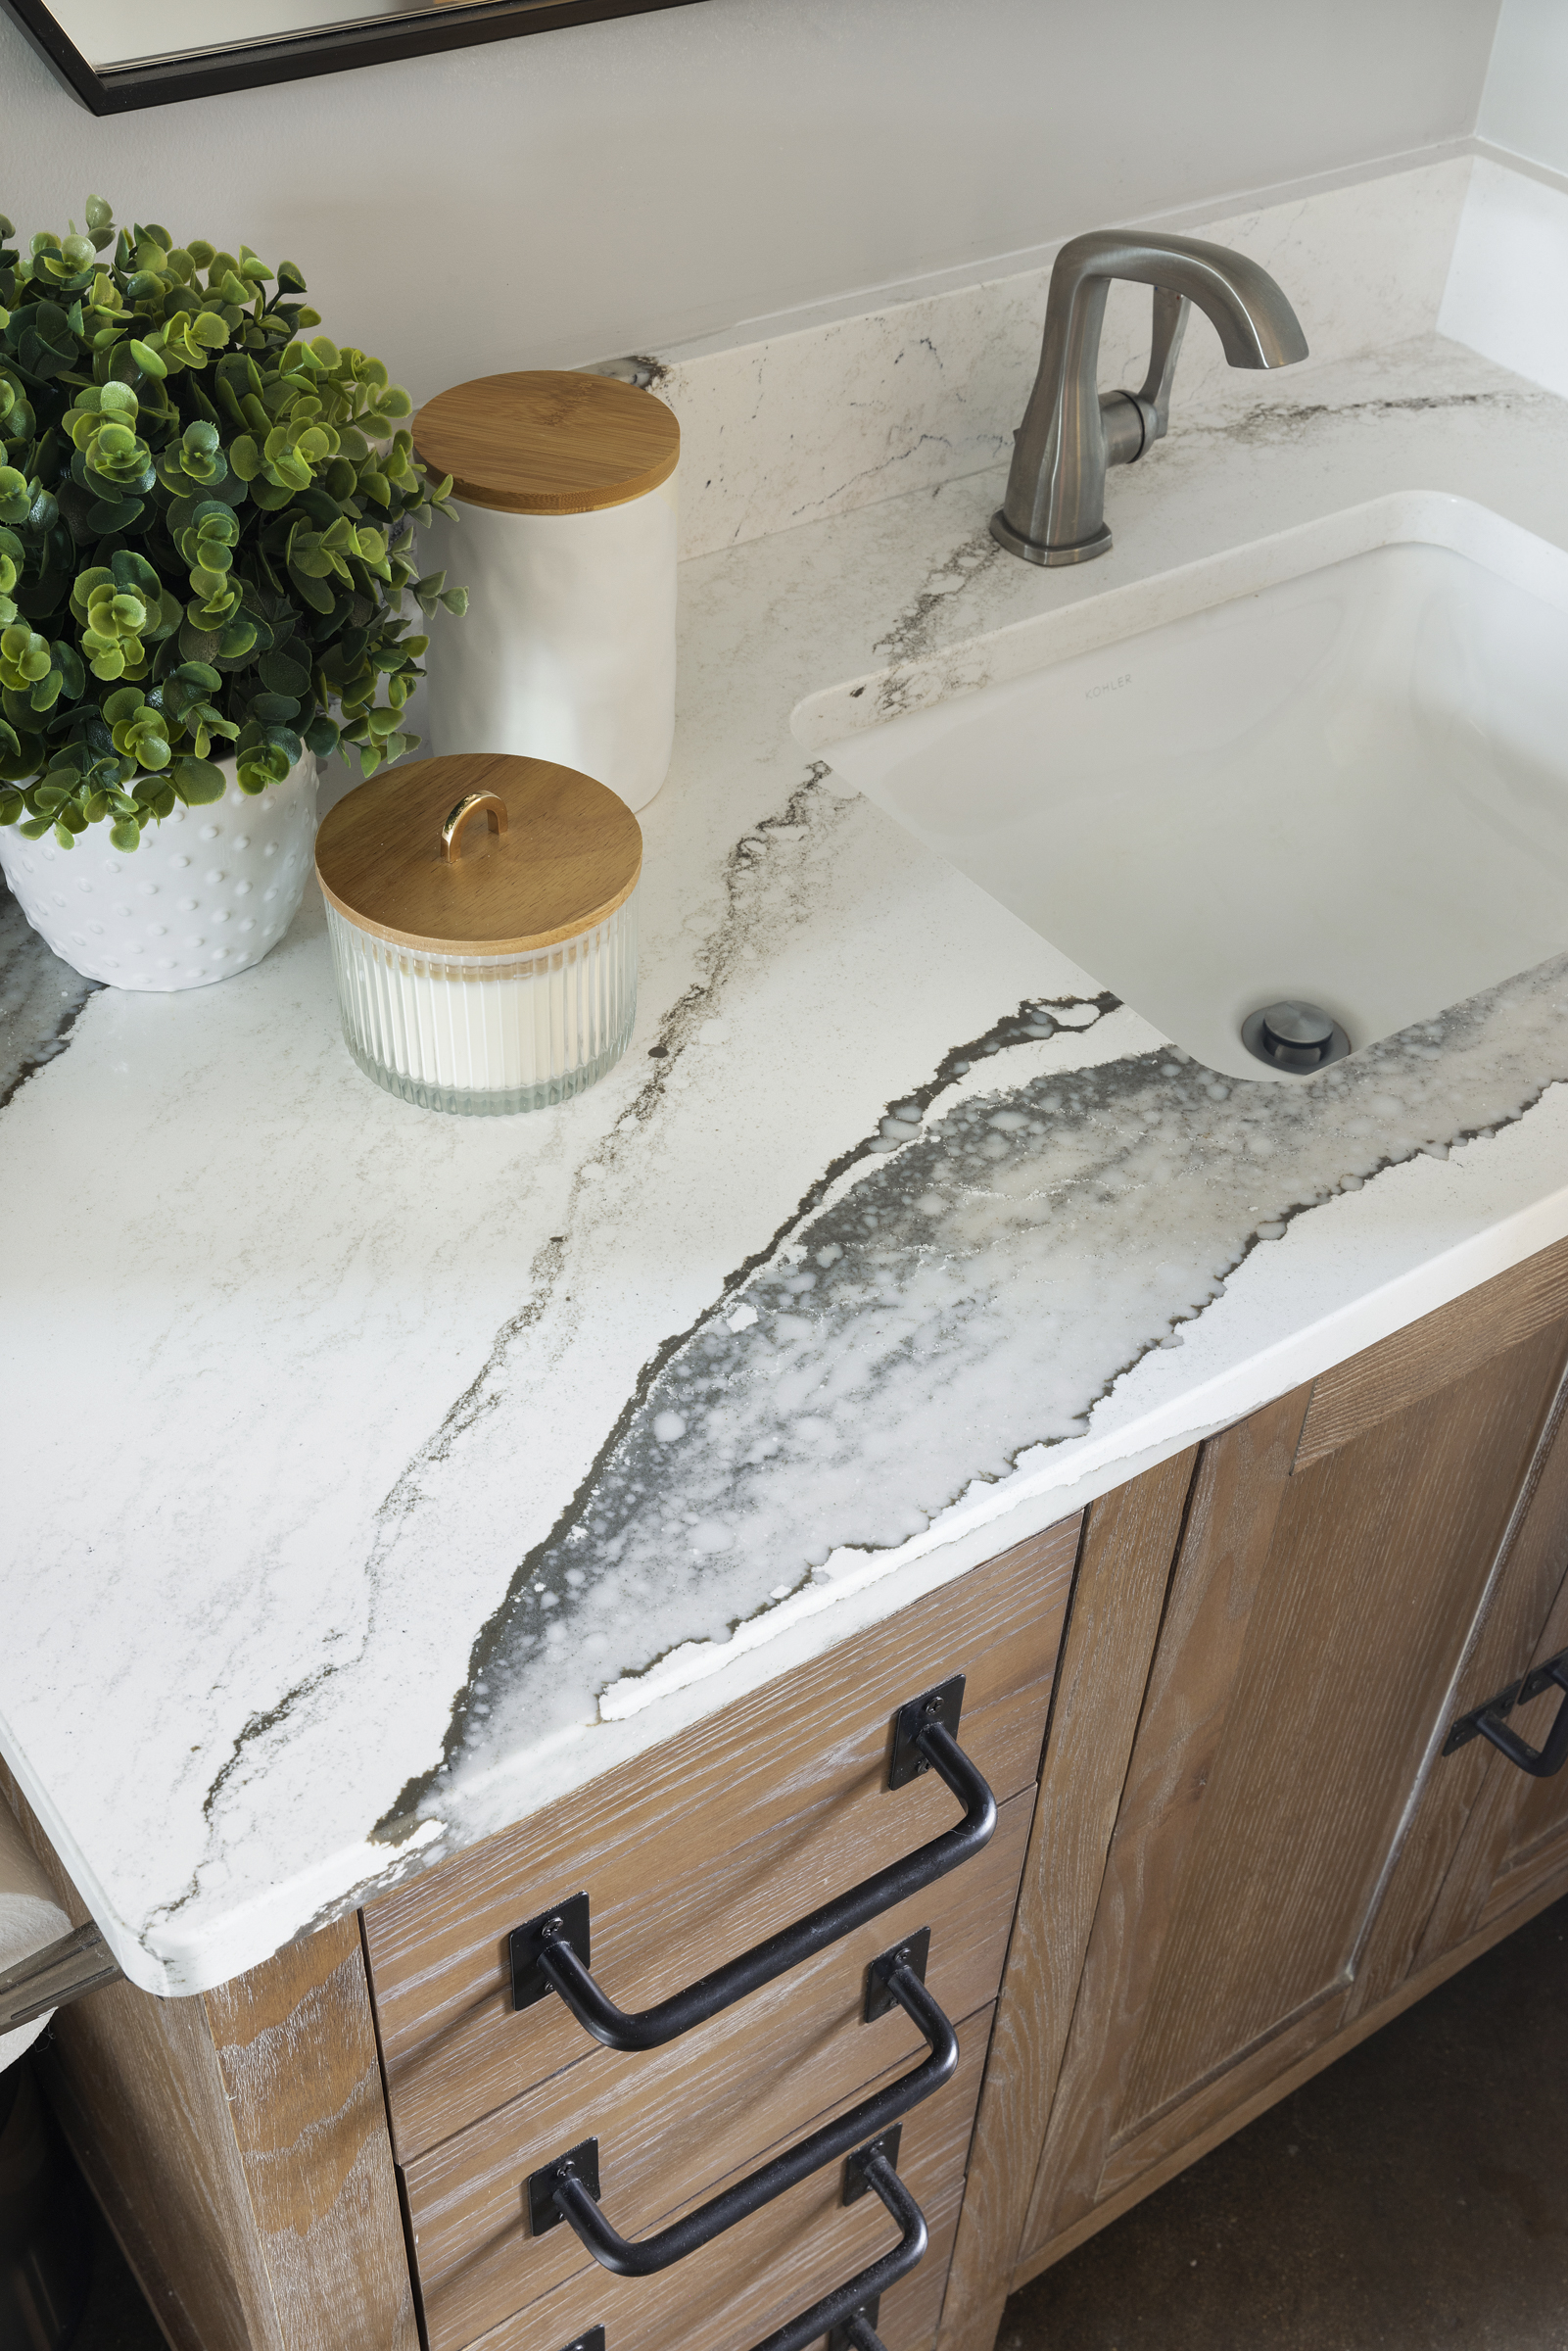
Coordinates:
[1292,1036]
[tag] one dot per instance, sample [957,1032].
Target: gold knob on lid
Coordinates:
[472,804]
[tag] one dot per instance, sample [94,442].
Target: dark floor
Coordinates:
[115,2318]
[1414,2197]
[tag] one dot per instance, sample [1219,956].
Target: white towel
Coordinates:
[29,1917]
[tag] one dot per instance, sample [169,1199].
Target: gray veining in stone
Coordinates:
[983,1272]
[40,998]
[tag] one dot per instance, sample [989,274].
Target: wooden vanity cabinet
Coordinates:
[331,2154]
[1230,1844]
[689,1855]
[1272,1853]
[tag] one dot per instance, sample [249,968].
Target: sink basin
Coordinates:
[1331,765]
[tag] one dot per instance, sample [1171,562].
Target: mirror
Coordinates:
[115,57]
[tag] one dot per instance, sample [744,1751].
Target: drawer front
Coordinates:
[907,2321]
[715,1840]
[778,2262]
[673,2122]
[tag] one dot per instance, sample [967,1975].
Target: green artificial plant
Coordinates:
[205,532]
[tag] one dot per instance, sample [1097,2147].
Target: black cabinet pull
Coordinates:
[849,2315]
[1540,1763]
[560,2192]
[851,2305]
[857,2329]
[543,1956]
[1486,1722]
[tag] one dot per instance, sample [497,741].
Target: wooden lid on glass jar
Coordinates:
[547,442]
[483,854]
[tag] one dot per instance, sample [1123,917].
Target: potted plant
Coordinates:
[207,519]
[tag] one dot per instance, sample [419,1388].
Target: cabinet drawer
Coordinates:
[715,1840]
[778,2262]
[907,2321]
[678,2120]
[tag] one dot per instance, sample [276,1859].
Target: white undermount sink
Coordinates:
[1329,765]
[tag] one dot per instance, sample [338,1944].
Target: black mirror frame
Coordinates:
[252,64]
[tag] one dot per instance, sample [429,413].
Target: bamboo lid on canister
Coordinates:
[485,854]
[547,442]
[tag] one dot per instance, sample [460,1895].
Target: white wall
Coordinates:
[1524,105]
[1510,257]
[630,185]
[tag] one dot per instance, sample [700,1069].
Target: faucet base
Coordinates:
[1033,550]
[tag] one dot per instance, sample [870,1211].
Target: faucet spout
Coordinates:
[1054,510]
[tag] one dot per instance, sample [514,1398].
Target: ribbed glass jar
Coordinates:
[487,1035]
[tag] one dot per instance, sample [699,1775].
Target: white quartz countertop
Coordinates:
[373,1476]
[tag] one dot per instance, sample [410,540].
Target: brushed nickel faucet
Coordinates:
[1054,510]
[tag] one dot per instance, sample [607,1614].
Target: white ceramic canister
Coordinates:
[566,487]
[483,919]
[204,893]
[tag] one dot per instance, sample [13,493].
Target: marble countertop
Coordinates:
[373,1476]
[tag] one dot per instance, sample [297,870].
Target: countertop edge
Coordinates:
[968,1535]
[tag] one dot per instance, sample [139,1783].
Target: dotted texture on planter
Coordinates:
[208,891]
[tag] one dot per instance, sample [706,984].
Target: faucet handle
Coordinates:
[1170,315]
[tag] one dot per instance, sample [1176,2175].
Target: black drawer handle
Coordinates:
[858,2329]
[852,2307]
[847,2316]
[1486,1722]
[560,2191]
[546,1953]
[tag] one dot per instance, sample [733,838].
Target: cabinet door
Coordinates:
[1515,1852]
[1499,1835]
[1337,1548]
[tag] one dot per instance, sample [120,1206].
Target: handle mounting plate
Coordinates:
[915,1951]
[525,1942]
[539,2188]
[839,2337]
[856,2184]
[943,1705]
[1543,1678]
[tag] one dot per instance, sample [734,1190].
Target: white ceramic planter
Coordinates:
[206,894]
